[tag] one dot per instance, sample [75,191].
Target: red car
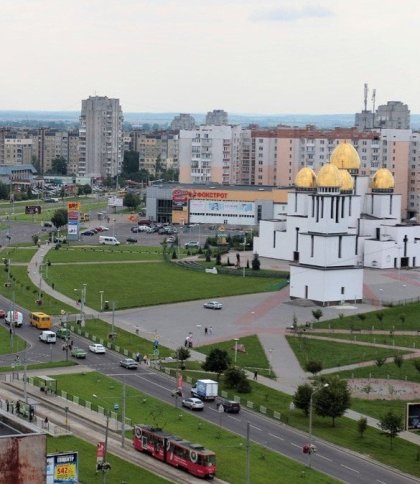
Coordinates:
[2,313]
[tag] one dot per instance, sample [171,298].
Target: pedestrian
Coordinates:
[12,407]
[206,331]
[255,375]
[145,359]
[186,342]
[18,407]
[71,344]
[138,357]
[7,405]
[46,423]
[210,330]
[53,286]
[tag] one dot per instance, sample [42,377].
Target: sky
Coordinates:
[243,56]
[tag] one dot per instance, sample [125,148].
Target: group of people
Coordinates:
[208,331]
[68,345]
[144,359]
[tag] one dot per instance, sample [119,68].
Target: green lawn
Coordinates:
[391,319]
[383,339]
[150,284]
[253,359]
[18,254]
[121,470]
[6,344]
[40,366]
[124,339]
[333,354]
[377,408]
[407,371]
[26,293]
[265,464]
[104,253]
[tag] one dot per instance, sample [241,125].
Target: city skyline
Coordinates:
[242,56]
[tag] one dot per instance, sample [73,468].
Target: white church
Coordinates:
[336,223]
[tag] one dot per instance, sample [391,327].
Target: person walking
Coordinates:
[255,375]
[210,330]
[206,331]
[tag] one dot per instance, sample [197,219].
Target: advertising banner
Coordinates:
[32,209]
[179,199]
[73,229]
[413,416]
[115,202]
[73,206]
[228,208]
[72,215]
[63,468]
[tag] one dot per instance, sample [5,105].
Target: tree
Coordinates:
[333,400]
[398,360]
[236,378]
[131,201]
[391,424]
[416,364]
[130,163]
[302,397]
[256,263]
[182,354]
[59,166]
[317,314]
[361,316]
[59,218]
[362,425]
[217,360]
[313,367]
[4,191]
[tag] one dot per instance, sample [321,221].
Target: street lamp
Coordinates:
[82,303]
[103,468]
[325,385]
[236,349]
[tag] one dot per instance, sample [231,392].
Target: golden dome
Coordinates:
[347,182]
[382,180]
[305,178]
[345,156]
[329,177]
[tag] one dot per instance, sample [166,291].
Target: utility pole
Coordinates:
[248,449]
[113,318]
[105,449]
[25,393]
[123,418]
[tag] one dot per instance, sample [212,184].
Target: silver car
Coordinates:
[213,305]
[193,403]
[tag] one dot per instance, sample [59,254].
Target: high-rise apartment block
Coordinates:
[217,117]
[393,115]
[100,137]
[183,121]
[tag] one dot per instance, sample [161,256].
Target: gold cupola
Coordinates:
[345,157]
[382,181]
[329,177]
[347,182]
[305,179]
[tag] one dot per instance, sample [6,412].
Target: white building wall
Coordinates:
[326,285]
[319,216]
[324,251]
[384,205]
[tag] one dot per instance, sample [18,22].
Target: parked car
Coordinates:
[102,228]
[135,230]
[97,348]
[193,403]
[170,240]
[2,313]
[144,228]
[192,244]
[129,363]
[131,240]
[78,352]
[213,305]
[229,406]
[88,232]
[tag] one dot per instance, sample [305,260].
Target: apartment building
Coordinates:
[392,115]
[100,137]
[183,121]
[17,151]
[217,117]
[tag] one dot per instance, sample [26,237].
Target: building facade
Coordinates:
[217,117]
[100,137]
[183,121]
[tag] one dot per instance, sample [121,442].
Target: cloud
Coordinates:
[292,14]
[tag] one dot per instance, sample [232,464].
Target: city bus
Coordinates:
[40,320]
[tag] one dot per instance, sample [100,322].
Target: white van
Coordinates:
[14,317]
[106,240]
[48,337]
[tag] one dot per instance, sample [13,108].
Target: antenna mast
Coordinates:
[366,95]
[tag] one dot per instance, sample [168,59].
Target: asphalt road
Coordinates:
[339,463]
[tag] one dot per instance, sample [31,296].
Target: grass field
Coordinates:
[383,339]
[254,357]
[40,366]
[396,318]
[6,345]
[121,470]
[150,284]
[104,253]
[332,354]
[18,254]
[229,448]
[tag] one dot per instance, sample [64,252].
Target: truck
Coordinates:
[205,389]
[48,337]
[15,318]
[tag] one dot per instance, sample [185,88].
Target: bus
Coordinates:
[84,217]
[192,458]
[40,320]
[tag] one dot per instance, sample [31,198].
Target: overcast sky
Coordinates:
[244,56]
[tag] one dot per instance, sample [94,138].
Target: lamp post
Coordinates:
[243,269]
[310,421]
[113,319]
[103,469]
[236,349]
[102,300]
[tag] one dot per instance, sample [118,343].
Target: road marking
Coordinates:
[256,428]
[276,436]
[295,445]
[380,482]
[234,418]
[323,457]
[350,469]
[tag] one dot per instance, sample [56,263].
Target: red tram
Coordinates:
[161,445]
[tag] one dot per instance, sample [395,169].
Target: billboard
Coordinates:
[413,416]
[180,199]
[73,206]
[32,209]
[228,208]
[115,202]
[63,468]
[73,220]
